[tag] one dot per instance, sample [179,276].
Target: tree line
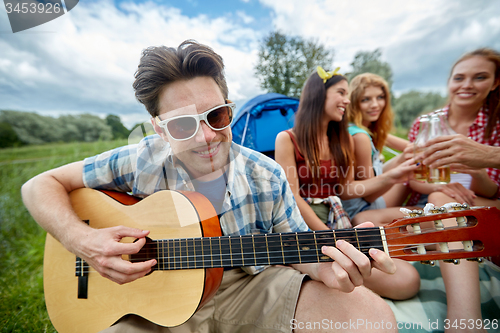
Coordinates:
[285,62]
[21,128]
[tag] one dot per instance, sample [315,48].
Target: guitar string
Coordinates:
[360,234]
[291,237]
[219,258]
[272,240]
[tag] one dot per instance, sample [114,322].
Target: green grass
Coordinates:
[22,306]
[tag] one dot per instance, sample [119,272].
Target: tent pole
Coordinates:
[245,129]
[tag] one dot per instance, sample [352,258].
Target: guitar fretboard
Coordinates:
[254,250]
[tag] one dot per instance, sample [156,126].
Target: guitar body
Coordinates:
[167,298]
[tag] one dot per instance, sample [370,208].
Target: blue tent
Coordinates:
[260,119]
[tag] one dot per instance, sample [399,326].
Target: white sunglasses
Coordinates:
[185,127]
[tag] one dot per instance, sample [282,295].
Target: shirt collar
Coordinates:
[481,118]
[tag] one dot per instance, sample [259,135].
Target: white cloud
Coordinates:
[244,17]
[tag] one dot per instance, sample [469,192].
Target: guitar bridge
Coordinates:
[82,271]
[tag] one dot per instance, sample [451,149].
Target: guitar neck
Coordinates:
[255,250]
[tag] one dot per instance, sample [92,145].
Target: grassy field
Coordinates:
[22,307]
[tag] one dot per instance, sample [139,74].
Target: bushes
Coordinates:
[17,128]
[8,137]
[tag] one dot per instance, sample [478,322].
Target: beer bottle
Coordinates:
[438,125]
[422,172]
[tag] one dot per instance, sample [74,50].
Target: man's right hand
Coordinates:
[102,249]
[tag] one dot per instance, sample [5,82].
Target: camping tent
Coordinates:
[259,120]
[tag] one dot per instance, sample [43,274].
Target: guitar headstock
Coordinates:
[426,238]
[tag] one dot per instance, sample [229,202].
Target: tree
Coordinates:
[371,62]
[119,131]
[286,62]
[32,128]
[410,105]
[8,137]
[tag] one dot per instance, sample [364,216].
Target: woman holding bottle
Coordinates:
[473,111]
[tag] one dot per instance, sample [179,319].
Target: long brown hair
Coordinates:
[380,129]
[492,101]
[308,124]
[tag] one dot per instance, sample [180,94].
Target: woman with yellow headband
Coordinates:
[317,156]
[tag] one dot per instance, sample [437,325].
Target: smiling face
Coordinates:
[336,101]
[372,104]
[208,150]
[471,81]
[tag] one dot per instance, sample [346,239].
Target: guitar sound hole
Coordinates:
[147,252]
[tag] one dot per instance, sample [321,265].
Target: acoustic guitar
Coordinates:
[185,238]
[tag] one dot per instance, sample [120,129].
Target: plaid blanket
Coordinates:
[426,312]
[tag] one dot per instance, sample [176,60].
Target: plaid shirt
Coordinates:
[476,133]
[258,198]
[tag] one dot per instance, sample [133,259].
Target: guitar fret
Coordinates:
[158,256]
[242,257]
[282,252]
[267,250]
[298,247]
[230,251]
[211,254]
[357,239]
[290,248]
[187,255]
[220,253]
[180,253]
[172,254]
[371,239]
[308,247]
[254,256]
[199,261]
[247,247]
[316,245]
[171,258]
[194,254]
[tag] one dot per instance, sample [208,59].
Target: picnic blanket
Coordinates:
[426,312]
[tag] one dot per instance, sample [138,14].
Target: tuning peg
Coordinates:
[428,262]
[454,261]
[456,206]
[416,212]
[475,259]
[438,210]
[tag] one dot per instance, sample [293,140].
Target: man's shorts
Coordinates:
[244,303]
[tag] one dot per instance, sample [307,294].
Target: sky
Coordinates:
[85,60]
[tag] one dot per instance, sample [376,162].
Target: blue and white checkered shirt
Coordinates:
[258,198]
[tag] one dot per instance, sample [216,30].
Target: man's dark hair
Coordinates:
[162,65]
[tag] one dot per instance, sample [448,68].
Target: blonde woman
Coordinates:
[370,119]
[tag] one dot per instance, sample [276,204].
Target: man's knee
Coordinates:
[361,308]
